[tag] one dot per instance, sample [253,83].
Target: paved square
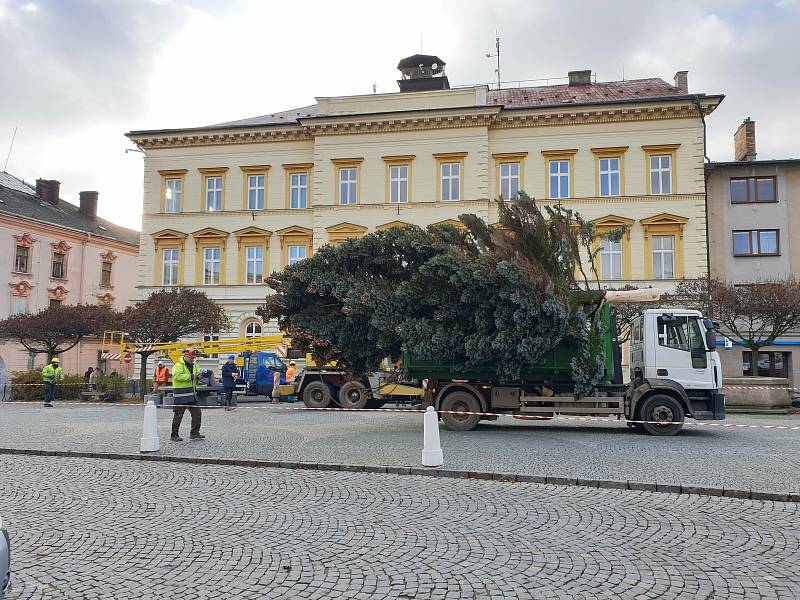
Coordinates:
[125,530]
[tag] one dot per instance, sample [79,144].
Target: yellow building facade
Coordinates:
[227,204]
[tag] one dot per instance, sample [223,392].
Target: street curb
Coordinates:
[608,484]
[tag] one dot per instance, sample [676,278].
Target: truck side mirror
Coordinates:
[711,339]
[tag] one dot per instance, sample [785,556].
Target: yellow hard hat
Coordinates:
[291,362]
[55,359]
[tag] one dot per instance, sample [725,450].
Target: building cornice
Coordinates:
[44,228]
[492,117]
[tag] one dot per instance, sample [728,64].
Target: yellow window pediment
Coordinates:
[210,234]
[392,224]
[453,222]
[293,230]
[169,234]
[609,222]
[346,228]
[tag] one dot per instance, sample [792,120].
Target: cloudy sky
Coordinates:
[75,75]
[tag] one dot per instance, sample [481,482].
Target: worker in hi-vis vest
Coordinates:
[52,375]
[184,391]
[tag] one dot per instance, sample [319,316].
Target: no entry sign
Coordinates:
[128,358]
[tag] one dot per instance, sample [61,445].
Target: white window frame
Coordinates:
[256,261]
[348,186]
[509,181]
[103,264]
[610,252]
[28,255]
[294,252]
[211,336]
[295,185]
[213,194]
[169,266]
[610,174]
[256,192]
[450,181]
[212,275]
[257,329]
[173,194]
[660,172]
[663,256]
[398,184]
[561,177]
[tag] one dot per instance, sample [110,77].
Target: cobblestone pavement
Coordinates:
[125,530]
[761,459]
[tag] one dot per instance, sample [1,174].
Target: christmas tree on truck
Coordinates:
[510,307]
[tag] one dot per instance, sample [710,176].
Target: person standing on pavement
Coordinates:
[52,375]
[276,386]
[184,390]
[93,380]
[160,377]
[230,372]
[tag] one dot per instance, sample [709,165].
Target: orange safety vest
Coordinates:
[290,373]
[162,375]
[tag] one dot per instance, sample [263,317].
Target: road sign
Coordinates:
[728,344]
[128,358]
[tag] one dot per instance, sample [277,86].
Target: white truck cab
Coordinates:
[676,348]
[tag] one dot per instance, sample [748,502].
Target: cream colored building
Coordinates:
[227,203]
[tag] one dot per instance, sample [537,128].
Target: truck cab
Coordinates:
[676,348]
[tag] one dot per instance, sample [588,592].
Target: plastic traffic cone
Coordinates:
[150,441]
[432,451]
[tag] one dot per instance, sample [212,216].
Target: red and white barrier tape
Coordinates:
[452,412]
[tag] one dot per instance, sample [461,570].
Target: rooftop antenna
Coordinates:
[623,70]
[420,43]
[374,88]
[10,146]
[496,55]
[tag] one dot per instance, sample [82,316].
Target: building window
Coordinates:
[297,253]
[609,176]
[753,189]
[59,260]
[255,192]
[298,190]
[21,259]
[610,259]
[212,263]
[17,305]
[451,181]
[661,174]
[105,274]
[173,192]
[213,194]
[348,185]
[252,329]
[398,184]
[54,303]
[509,180]
[170,266]
[254,264]
[769,364]
[559,178]
[663,257]
[757,242]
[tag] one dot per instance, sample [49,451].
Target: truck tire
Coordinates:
[317,394]
[661,407]
[460,402]
[353,394]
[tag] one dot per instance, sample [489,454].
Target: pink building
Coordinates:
[52,251]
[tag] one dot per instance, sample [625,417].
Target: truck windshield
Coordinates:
[674,333]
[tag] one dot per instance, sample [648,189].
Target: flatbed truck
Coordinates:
[674,373]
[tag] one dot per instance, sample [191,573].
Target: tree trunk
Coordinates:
[143,356]
[753,358]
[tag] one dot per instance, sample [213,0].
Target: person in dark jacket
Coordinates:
[230,372]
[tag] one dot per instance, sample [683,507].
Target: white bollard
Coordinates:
[150,441]
[432,451]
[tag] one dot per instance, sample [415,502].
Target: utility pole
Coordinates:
[496,55]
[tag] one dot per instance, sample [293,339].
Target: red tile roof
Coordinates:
[634,89]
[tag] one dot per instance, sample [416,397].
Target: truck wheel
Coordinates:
[460,402]
[317,395]
[661,408]
[353,394]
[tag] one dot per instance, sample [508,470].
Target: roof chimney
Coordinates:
[682,81]
[744,141]
[580,77]
[48,190]
[88,206]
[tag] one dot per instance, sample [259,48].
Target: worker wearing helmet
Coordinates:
[291,372]
[52,375]
[185,374]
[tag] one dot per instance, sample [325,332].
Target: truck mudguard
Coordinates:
[655,385]
[461,385]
